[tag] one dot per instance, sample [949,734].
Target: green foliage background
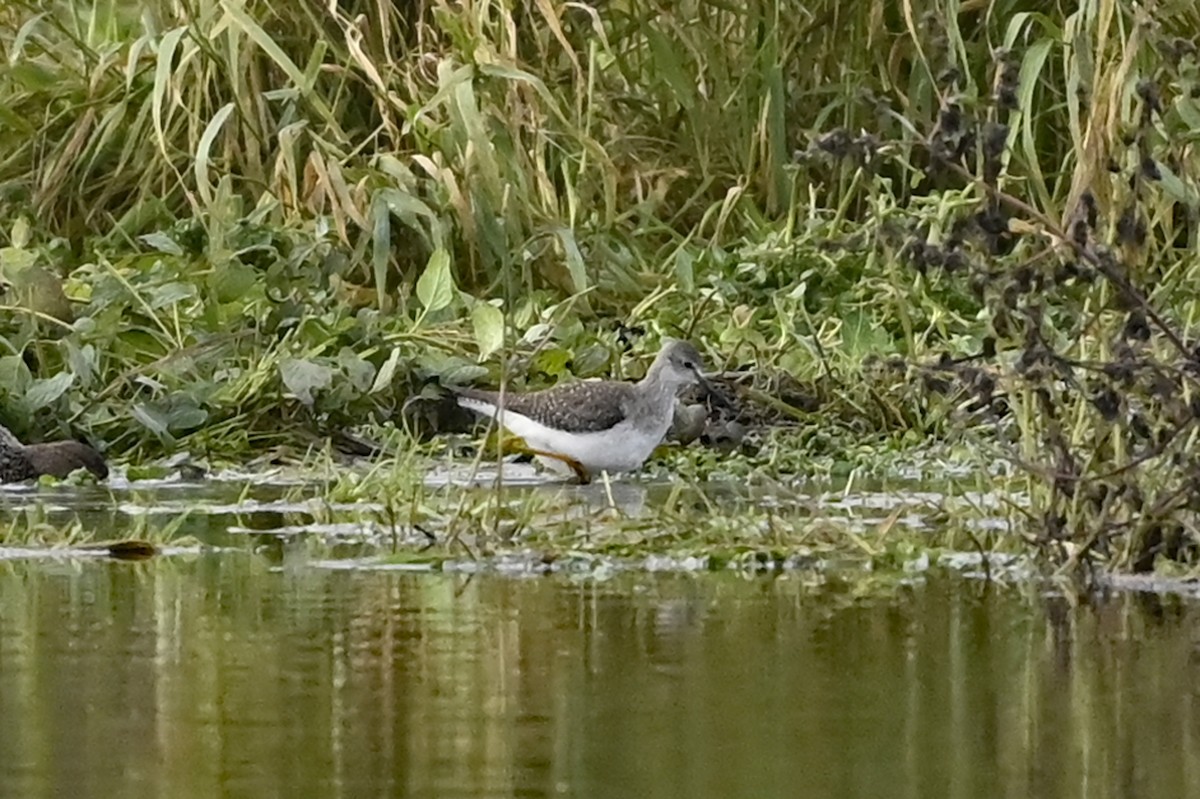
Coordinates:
[228,220]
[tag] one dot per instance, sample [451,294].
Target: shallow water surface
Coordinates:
[221,674]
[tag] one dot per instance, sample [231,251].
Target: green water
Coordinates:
[222,675]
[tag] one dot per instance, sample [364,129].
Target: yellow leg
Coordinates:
[574,465]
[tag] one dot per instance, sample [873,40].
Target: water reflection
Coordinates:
[211,675]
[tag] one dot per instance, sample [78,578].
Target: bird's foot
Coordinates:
[581,474]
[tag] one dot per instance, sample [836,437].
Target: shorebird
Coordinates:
[594,426]
[59,458]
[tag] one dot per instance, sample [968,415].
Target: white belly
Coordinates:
[618,449]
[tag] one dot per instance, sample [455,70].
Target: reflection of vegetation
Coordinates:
[227,229]
[632,686]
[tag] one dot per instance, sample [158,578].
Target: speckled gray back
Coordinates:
[579,407]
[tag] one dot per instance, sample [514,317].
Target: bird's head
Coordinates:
[680,365]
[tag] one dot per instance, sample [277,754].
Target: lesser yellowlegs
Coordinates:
[595,426]
[25,461]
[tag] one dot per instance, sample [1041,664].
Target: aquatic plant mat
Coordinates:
[466,515]
[240,231]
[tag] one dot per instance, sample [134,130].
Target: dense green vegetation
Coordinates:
[232,226]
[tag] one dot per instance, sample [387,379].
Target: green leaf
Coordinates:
[552,361]
[359,372]
[435,288]
[381,245]
[1189,112]
[488,322]
[1031,70]
[169,294]
[20,233]
[44,392]
[861,335]
[162,79]
[668,67]
[203,151]
[685,272]
[14,376]
[575,265]
[14,260]
[83,361]
[186,417]
[303,377]
[232,281]
[386,372]
[1172,186]
[161,242]
[152,417]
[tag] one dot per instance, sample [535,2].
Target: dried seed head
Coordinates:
[949,78]
[1119,371]
[1088,201]
[1139,427]
[992,220]
[1006,98]
[995,137]
[1147,90]
[1131,230]
[1008,77]
[1083,219]
[1107,403]
[1066,272]
[936,385]
[1136,327]
[954,261]
[836,142]
[1079,232]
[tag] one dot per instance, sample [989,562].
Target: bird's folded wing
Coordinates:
[580,407]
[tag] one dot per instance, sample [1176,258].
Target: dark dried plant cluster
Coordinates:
[1077,356]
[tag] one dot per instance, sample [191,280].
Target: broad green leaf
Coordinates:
[151,417]
[186,417]
[359,372]
[405,205]
[161,242]
[82,361]
[303,377]
[44,392]
[1173,187]
[458,374]
[169,294]
[435,288]
[552,361]
[233,281]
[14,260]
[860,335]
[1189,111]
[14,377]
[488,322]
[20,233]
